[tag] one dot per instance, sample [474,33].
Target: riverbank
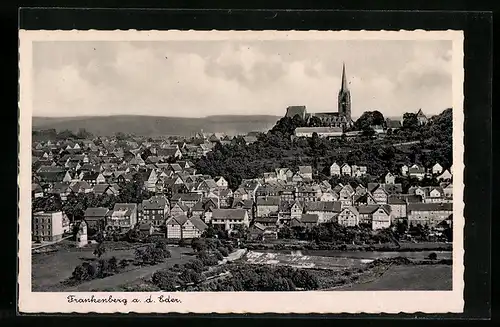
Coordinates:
[387,247]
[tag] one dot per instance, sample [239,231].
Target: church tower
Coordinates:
[344,99]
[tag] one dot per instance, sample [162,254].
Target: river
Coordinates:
[332,259]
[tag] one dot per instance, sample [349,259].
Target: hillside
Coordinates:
[154,126]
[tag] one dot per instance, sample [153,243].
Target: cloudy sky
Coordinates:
[200,78]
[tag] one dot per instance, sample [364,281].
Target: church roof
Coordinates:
[291,111]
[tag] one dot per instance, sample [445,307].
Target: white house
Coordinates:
[390,178]
[404,170]
[446,175]
[349,216]
[221,182]
[230,218]
[346,170]
[381,218]
[334,169]
[437,169]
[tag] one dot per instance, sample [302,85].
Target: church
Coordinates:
[340,119]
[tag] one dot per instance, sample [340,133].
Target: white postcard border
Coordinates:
[239,302]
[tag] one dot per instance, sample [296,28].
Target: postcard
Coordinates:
[241,171]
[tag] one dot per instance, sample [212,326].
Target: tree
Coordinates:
[410,121]
[84,134]
[369,119]
[198,244]
[99,250]
[166,280]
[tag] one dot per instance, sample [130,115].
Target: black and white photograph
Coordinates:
[201,169]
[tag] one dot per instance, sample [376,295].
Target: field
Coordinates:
[50,269]
[409,278]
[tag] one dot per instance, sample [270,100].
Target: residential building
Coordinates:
[47,226]
[346,195]
[325,211]
[346,170]
[417,172]
[430,214]
[404,170]
[123,217]
[221,182]
[179,209]
[379,194]
[445,176]
[437,169]
[297,209]
[182,227]
[398,208]
[348,216]
[381,218]
[230,218]
[96,218]
[267,205]
[306,172]
[309,220]
[390,178]
[155,210]
[284,174]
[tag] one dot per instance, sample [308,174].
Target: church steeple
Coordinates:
[344,98]
[344,80]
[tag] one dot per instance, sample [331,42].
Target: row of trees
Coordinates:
[52,135]
[262,278]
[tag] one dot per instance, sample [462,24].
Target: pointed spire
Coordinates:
[344,79]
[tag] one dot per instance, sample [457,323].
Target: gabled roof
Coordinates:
[268,201]
[179,220]
[430,207]
[245,204]
[181,206]
[125,206]
[323,206]
[352,209]
[309,218]
[236,214]
[96,212]
[368,209]
[155,203]
[305,170]
[186,197]
[392,199]
[198,223]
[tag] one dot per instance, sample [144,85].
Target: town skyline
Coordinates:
[196,79]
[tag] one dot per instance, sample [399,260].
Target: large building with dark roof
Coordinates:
[342,118]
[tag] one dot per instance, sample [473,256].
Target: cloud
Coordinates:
[206,78]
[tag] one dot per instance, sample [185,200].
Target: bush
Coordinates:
[218,256]
[123,263]
[190,276]
[224,251]
[166,280]
[206,259]
[151,255]
[195,264]
[433,256]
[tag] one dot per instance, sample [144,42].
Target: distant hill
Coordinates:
[155,126]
